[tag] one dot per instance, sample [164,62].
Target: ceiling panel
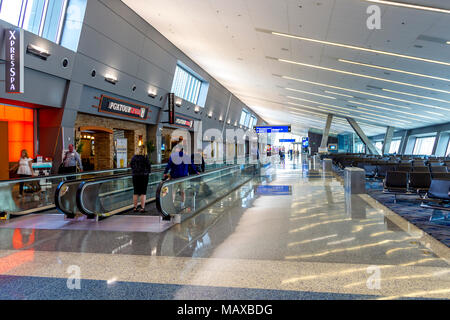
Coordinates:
[228,40]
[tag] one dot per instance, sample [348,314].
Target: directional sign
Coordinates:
[267,129]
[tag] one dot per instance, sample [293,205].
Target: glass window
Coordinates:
[243,117]
[186,86]
[253,122]
[424,146]
[447,153]
[247,120]
[59,21]
[379,145]
[10,11]
[33,15]
[53,20]
[395,145]
[360,147]
[69,33]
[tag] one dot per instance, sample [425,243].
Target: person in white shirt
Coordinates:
[24,169]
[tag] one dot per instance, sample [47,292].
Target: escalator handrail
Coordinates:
[56,176]
[62,183]
[86,183]
[190,177]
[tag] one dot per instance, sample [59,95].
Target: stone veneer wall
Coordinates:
[87,120]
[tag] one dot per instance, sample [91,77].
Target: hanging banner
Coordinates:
[171,108]
[14,61]
[121,151]
[184,122]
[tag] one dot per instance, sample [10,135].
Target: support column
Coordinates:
[404,142]
[387,140]
[436,142]
[369,146]
[324,143]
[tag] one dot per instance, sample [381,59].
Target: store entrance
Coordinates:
[169,140]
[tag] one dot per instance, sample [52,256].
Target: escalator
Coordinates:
[178,198]
[102,197]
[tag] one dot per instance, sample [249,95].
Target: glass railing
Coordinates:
[187,196]
[106,197]
[39,193]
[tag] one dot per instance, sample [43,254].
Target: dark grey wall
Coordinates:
[113,40]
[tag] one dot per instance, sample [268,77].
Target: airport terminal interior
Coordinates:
[224,150]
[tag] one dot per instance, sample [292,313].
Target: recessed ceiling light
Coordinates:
[360,75]
[394,70]
[359,48]
[410,6]
[362,92]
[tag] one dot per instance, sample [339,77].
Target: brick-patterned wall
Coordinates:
[137,129]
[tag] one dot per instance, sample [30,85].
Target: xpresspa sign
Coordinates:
[14,56]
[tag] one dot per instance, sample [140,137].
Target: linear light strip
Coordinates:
[388,109]
[389,104]
[339,94]
[366,93]
[410,6]
[393,70]
[360,48]
[333,106]
[415,95]
[329,105]
[315,94]
[361,75]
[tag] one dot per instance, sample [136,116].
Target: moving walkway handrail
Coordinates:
[163,184]
[89,183]
[77,181]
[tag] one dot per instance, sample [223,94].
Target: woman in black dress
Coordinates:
[140,168]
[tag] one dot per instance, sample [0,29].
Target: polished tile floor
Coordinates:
[290,234]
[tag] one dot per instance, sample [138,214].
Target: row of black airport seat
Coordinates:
[428,177]
[435,191]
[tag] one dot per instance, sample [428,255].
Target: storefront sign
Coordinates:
[120,107]
[14,65]
[183,122]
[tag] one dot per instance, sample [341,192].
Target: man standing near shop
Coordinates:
[70,161]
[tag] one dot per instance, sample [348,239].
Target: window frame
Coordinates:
[422,138]
[186,85]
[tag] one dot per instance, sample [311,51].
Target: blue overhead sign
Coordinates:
[287,140]
[267,129]
[305,142]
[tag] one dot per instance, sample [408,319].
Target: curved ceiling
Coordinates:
[297,61]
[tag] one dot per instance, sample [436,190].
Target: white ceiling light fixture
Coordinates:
[152,92]
[111,79]
[339,94]
[410,6]
[363,92]
[361,75]
[359,48]
[38,51]
[393,70]
[306,92]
